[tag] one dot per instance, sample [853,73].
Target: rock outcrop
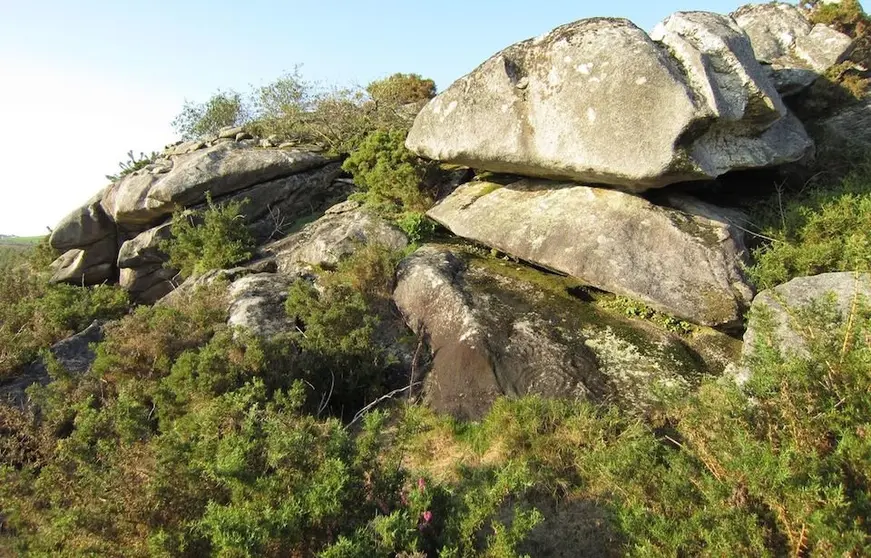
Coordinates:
[782,303]
[792,50]
[116,235]
[339,233]
[683,262]
[144,197]
[599,101]
[492,334]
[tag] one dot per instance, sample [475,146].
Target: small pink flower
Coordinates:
[427,516]
[421,484]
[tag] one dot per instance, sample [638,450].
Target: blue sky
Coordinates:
[81,83]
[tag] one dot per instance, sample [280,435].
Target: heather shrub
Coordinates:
[34,314]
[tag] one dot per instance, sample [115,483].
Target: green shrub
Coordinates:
[337,117]
[416,226]
[825,229]
[223,109]
[34,314]
[388,173]
[401,89]
[341,353]
[298,110]
[133,164]
[212,238]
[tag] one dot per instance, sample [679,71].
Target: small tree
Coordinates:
[201,119]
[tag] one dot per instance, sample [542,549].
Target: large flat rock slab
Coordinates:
[683,262]
[599,101]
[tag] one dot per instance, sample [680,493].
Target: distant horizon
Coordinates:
[85,84]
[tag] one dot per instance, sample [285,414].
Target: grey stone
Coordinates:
[783,301]
[148,283]
[144,248]
[141,199]
[73,354]
[795,51]
[333,237]
[848,128]
[685,263]
[257,304]
[230,132]
[84,226]
[752,127]
[91,265]
[273,207]
[243,136]
[599,101]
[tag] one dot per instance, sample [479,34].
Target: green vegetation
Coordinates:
[337,326]
[416,226]
[223,109]
[825,228]
[133,164]
[212,238]
[34,314]
[635,309]
[402,89]
[387,173]
[187,439]
[295,109]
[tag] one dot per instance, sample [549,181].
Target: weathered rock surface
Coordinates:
[272,207]
[142,198]
[148,283]
[335,235]
[783,301]
[599,101]
[751,127]
[257,304]
[849,128]
[492,335]
[86,266]
[84,226]
[144,248]
[685,263]
[794,51]
[73,354]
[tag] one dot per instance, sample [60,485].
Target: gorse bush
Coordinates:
[186,438]
[222,109]
[416,226]
[827,228]
[388,173]
[401,89]
[337,329]
[34,314]
[212,238]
